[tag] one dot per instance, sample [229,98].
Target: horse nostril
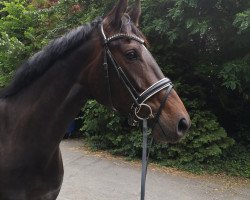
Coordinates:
[183,126]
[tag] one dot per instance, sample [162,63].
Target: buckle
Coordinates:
[144,111]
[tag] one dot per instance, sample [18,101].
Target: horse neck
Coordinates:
[52,101]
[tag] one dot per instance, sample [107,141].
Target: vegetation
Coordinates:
[204,46]
[206,148]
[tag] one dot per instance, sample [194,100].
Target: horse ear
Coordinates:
[135,12]
[114,17]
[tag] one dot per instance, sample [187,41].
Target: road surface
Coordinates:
[97,176]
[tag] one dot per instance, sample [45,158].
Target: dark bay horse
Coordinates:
[49,89]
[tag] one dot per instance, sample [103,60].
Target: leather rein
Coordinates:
[139,99]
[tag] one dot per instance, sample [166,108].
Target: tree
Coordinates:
[205,45]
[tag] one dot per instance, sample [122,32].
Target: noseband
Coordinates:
[139,99]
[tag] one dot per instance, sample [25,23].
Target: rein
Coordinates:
[139,100]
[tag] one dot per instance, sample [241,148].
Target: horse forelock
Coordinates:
[40,62]
[126,25]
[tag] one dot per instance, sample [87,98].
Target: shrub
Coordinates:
[19,36]
[11,49]
[205,142]
[104,129]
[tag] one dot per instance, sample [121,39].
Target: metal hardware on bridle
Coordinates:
[151,91]
[139,100]
[138,109]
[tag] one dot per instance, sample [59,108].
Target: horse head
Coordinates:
[132,82]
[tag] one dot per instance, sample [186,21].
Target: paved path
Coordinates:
[89,176]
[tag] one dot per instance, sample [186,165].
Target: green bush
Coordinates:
[205,148]
[205,142]
[11,50]
[26,27]
[20,36]
[104,129]
[236,161]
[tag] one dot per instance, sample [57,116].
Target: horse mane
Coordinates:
[40,62]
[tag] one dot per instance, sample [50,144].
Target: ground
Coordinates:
[100,176]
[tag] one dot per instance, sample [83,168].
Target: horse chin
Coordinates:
[163,134]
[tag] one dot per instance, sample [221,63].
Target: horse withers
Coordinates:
[105,60]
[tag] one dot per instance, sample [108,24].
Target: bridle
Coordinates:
[139,99]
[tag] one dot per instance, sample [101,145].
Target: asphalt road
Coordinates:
[96,176]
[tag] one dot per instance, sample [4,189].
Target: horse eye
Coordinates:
[131,55]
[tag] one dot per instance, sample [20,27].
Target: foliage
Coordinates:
[11,49]
[203,46]
[242,21]
[236,75]
[25,28]
[20,35]
[235,162]
[205,143]
[206,147]
[103,128]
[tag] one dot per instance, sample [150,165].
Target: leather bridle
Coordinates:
[139,99]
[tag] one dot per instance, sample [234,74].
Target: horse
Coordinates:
[106,60]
